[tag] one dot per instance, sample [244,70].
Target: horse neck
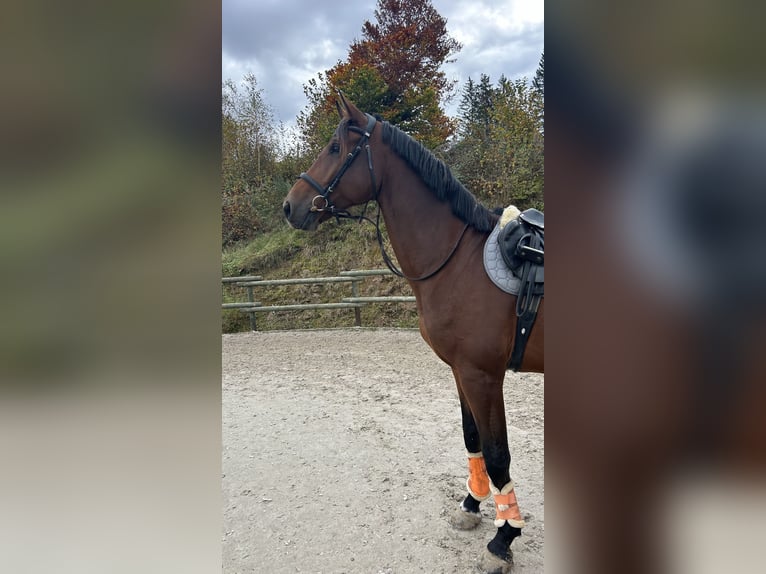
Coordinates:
[422,229]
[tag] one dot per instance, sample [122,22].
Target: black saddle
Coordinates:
[523,240]
[522,245]
[533,217]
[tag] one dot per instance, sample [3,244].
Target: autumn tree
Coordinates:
[408,44]
[394,70]
[362,84]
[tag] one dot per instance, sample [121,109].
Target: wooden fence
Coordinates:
[355,302]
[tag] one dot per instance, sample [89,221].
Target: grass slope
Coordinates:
[287,253]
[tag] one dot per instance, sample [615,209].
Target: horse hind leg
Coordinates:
[489,412]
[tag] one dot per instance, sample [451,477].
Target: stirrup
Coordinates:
[536,256]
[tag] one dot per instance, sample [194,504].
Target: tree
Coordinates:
[248,159]
[361,83]
[393,71]
[518,149]
[476,107]
[408,44]
[539,81]
[499,153]
[247,138]
[539,85]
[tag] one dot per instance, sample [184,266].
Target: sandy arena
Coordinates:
[343,452]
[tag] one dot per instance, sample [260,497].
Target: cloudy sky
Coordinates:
[287,42]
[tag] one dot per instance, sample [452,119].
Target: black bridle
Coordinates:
[329,206]
[324,192]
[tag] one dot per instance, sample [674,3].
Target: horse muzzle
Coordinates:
[301,216]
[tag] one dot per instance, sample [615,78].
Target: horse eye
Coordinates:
[335,147]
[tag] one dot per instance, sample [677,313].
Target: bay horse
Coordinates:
[437,230]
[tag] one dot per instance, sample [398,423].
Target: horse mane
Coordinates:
[439,179]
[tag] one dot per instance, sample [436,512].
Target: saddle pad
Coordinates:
[495,266]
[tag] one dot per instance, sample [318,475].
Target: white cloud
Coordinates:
[237,69]
[287,43]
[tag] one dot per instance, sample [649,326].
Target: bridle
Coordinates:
[324,192]
[329,206]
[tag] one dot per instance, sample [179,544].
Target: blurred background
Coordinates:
[109,330]
[655,438]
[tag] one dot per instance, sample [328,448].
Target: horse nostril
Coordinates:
[286,208]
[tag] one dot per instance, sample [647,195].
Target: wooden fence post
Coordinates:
[253,323]
[357,310]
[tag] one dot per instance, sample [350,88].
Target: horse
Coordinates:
[437,230]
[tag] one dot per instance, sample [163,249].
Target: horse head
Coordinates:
[337,179]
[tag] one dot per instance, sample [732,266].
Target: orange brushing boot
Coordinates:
[478,481]
[506,507]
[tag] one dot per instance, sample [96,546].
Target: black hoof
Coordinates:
[470,504]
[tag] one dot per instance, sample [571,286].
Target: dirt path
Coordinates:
[343,452]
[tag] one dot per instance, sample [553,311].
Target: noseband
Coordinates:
[324,192]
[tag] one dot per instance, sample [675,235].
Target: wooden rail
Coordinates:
[241,279]
[301,281]
[241,305]
[355,302]
[387,299]
[365,272]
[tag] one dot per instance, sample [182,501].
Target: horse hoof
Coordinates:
[491,564]
[464,520]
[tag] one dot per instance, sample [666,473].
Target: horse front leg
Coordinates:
[468,516]
[498,557]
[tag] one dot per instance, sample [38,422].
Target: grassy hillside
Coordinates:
[287,253]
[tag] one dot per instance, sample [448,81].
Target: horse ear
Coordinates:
[350,110]
[337,107]
[342,103]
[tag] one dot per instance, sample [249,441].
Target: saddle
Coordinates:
[522,246]
[522,241]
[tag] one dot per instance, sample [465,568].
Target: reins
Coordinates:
[395,270]
[324,194]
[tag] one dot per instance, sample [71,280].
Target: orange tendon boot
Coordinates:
[506,507]
[478,481]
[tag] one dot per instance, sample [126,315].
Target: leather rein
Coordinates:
[325,192]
